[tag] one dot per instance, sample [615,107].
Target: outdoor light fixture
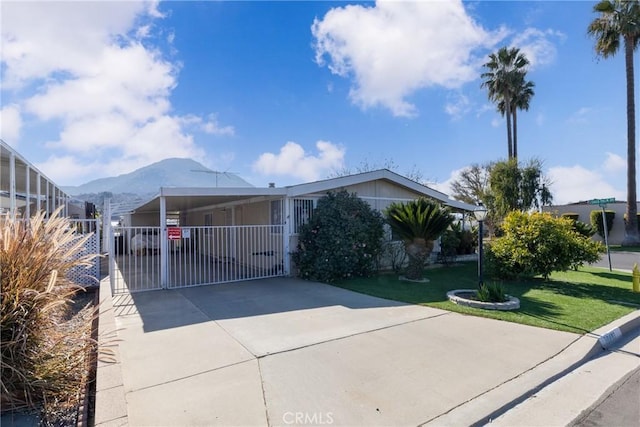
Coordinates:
[480,213]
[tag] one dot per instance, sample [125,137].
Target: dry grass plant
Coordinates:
[44,357]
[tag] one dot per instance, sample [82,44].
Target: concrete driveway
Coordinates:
[290,352]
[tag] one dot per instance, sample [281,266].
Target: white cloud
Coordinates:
[10,123]
[445,186]
[292,160]
[83,67]
[457,105]
[210,126]
[576,183]
[537,45]
[581,116]
[392,49]
[615,164]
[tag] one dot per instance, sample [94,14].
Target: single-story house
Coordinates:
[584,209]
[256,228]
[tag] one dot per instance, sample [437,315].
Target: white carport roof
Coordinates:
[183,199]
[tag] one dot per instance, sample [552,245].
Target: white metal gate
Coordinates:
[195,256]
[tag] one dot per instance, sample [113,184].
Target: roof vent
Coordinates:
[272,185]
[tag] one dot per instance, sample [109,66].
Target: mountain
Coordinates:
[165,173]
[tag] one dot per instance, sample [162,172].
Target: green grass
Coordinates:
[574,301]
[620,248]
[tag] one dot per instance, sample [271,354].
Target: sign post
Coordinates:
[603,205]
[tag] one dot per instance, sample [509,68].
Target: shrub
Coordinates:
[538,244]
[584,229]
[571,215]
[492,292]
[342,239]
[596,221]
[38,366]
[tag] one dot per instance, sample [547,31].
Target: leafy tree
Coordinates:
[505,81]
[512,187]
[418,223]
[538,244]
[619,20]
[342,239]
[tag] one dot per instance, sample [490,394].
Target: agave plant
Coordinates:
[418,223]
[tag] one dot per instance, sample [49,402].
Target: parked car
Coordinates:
[144,242]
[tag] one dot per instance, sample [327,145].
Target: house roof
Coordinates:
[181,199]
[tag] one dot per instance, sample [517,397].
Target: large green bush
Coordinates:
[538,244]
[596,221]
[342,239]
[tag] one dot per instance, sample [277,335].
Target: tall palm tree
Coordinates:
[505,73]
[620,20]
[523,92]
[418,223]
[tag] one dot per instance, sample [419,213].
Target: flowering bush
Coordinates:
[342,239]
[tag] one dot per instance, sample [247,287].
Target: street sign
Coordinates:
[174,233]
[602,201]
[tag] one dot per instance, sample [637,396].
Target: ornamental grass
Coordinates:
[44,358]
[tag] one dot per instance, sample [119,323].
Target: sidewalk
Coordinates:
[562,401]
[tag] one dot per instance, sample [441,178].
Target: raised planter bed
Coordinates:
[466,297]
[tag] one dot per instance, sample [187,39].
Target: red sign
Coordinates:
[174,233]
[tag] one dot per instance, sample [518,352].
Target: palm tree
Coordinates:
[418,223]
[523,92]
[620,20]
[505,74]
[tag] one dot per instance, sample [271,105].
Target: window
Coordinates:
[276,215]
[302,213]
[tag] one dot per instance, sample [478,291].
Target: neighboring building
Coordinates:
[584,209]
[24,189]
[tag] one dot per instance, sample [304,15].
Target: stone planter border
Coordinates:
[513,303]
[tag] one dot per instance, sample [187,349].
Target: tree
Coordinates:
[523,92]
[418,223]
[514,187]
[620,20]
[472,185]
[506,85]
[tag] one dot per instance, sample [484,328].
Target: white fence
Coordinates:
[195,256]
[82,275]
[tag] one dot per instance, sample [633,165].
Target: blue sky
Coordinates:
[289,92]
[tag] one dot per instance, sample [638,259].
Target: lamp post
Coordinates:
[481,214]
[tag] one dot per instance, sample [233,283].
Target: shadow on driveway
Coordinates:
[165,309]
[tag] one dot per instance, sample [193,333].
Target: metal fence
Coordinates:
[195,256]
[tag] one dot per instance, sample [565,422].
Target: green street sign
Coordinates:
[602,201]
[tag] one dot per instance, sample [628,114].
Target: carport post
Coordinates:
[163,241]
[286,235]
[13,206]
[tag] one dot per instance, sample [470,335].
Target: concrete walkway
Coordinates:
[289,352]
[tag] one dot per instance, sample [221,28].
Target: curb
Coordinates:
[110,402]
[494,403]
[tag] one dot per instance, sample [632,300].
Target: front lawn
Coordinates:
[574,301]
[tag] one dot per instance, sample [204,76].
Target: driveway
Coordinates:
[290,352]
